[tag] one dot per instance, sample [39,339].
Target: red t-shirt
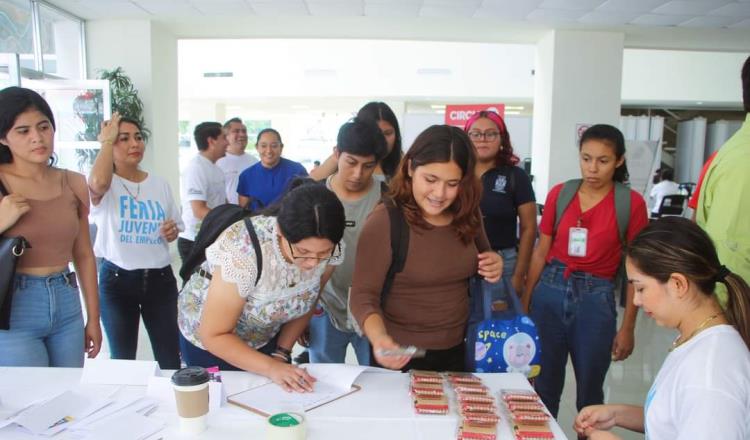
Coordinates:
[604,249]
[693,202]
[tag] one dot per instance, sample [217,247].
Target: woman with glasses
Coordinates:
[240,315]
[427,305]
[507,196]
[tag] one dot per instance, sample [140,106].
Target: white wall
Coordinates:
[148,54]
[578,81]
[671,76]
[355,68]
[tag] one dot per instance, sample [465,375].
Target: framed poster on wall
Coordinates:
[80,107]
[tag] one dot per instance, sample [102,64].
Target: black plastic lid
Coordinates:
[189,376]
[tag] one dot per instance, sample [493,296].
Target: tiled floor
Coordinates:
[627,382]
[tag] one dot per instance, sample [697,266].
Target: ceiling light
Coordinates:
[434,71]
[512,112]
[438,106]
[218,74]
[300,106]
[514,107]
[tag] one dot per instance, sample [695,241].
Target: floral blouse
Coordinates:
[284,292]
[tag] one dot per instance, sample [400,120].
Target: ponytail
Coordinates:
[738,305]
[677,245]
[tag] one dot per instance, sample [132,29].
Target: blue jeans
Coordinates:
[126,295]
[328,344]
[46,323]
[510,258]
[575,316]
[197,357]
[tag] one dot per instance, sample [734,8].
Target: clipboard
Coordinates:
[263,400]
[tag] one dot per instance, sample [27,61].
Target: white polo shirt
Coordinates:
[201,180]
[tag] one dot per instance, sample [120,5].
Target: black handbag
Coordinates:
[11,248]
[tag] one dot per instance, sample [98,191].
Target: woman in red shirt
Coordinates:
[570,280]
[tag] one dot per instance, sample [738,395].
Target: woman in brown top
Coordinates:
[427,305]
[49,207]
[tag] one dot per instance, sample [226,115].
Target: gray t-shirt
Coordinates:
[335,295]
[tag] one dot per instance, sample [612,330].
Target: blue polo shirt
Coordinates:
[265,185]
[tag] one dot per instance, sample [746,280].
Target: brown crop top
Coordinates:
[52,226]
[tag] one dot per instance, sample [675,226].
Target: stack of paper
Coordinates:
[88,416]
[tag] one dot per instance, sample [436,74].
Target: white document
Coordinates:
[58,413]
[160,388]
[333,382]
[142,405]
[118,372]
[125,426]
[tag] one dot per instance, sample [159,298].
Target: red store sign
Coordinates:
[457,115]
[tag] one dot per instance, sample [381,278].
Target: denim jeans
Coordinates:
[575,316]
[328,344]
[510,258]
[46,323]
[198,357]
[126,295]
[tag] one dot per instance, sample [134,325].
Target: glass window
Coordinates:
[16,30]
[61,43]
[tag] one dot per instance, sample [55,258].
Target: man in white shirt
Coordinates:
[666,187]
[236,160]
[202,184]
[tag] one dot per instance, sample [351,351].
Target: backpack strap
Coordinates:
[256,246]
[399,246]
[622,210]
[568,191]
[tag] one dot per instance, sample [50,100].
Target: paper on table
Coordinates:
[161,388]
[118,371]
[126,426]
[333,381]
[54,415]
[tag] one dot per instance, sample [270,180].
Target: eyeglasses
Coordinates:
[488,135]
[335,253]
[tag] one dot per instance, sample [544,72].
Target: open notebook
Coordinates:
[334,381]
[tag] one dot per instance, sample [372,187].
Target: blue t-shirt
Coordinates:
[265,185]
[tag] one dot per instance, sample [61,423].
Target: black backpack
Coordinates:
[214,223]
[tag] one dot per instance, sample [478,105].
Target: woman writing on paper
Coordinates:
[238,314]
[702,390]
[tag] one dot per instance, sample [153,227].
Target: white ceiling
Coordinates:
[714,14]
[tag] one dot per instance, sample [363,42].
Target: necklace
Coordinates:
[677,342]
[137,191]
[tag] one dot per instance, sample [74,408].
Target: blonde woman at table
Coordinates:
[238,314]
[703,388]
[49,207]
[428,302]
[137,217]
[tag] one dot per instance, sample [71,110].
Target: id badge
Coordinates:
[577,242]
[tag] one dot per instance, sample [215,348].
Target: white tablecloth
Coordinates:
[382,410]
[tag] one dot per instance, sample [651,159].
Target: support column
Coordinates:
[578,80]
[148,54]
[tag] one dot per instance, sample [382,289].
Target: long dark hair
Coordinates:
[309,209]
[13,102]
[677,245]
[613,137]
[442,143]
[379,111]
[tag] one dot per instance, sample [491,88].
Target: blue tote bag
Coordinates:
[500,338]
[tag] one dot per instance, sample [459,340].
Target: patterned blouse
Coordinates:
[284,291]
